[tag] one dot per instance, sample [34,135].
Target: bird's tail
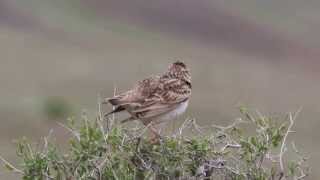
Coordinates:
[120,106]
[118,109]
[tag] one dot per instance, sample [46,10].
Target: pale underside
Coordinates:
[160,121]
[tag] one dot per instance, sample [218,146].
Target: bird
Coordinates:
[156,100]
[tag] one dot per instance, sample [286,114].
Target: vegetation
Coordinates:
[119,152]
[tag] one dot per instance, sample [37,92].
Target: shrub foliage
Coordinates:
[251,148]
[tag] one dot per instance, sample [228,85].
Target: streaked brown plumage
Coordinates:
[156,99]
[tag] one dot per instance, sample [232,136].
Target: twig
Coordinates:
[283,145]
[196,126]
[100,120]
[46,143]
[86,123]
[74,133]
[99,108]
[230,146]
[144,130]
[10,166]
[100,166]
[224,128]
[303,172]
[283,148]
[110,122]
[184,125]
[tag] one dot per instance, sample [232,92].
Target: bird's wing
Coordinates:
[169,94]
[137,95]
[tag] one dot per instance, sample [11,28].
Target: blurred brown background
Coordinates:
[56,56]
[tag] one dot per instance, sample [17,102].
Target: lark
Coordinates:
[156,100]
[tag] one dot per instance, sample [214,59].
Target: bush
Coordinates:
[193,152]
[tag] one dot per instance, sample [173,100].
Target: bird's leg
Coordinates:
[155,135]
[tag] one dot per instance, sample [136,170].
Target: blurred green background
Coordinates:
[57,56]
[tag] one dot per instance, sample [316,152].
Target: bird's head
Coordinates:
[179,70]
